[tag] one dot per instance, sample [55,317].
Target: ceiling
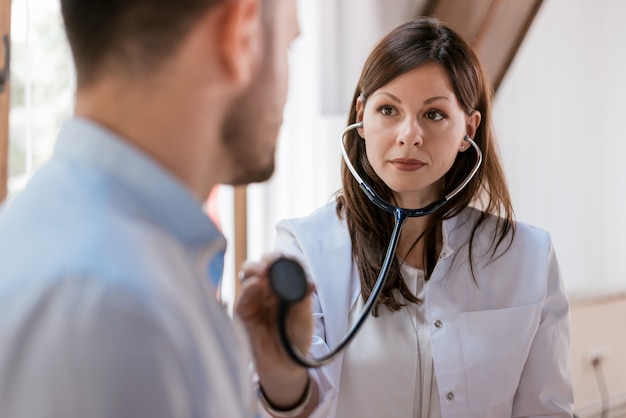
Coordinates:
[494,28]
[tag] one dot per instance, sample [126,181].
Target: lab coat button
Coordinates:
[450,396]
[438,323]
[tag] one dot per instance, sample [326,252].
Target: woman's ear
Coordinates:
[360,109]
[473,122]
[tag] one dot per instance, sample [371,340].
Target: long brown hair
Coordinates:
[424,40]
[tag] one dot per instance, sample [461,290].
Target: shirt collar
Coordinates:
[455,227]
[158,194]
[446,249]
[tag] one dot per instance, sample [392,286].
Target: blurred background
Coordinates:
[559,71]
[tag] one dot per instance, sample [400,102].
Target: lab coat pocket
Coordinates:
[495,346]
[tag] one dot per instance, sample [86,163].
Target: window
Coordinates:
[42,86]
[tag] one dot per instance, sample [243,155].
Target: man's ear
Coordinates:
[240,39]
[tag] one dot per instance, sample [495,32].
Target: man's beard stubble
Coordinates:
[251,127]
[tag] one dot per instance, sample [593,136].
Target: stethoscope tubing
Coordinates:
[296,355]
[400,217]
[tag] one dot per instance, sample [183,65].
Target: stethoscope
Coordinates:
[289,282]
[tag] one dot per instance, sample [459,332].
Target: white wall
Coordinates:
[558,114]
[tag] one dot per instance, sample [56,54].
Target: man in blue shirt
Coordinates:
[108,310]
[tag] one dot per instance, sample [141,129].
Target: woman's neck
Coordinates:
[412,250]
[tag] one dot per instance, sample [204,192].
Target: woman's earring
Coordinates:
[467,139]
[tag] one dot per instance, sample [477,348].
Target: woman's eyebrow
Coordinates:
[391,96]
[426,102]
[434,99]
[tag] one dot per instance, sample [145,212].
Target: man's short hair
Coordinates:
[135,34]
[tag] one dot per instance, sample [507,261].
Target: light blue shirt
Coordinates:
[107,305]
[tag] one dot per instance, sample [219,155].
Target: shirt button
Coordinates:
[438,323]
[450,396]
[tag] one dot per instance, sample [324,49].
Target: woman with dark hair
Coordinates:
[473,320]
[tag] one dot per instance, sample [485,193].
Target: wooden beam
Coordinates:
[5,103]
[241,229]
[494,28]
[466,17]
[504,34]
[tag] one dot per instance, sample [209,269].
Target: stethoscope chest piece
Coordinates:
[288,280]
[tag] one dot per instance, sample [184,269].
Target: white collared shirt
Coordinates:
[500,339]
[395,348]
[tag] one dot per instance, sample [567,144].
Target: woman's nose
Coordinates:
[411,133]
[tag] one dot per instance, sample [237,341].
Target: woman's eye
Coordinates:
[434,115]
[386,110]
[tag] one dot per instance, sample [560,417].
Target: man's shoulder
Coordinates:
[69,233]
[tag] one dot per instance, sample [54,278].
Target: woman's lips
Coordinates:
[407,164]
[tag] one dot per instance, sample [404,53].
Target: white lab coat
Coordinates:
[500,345]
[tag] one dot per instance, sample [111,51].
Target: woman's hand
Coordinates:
[282,380]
